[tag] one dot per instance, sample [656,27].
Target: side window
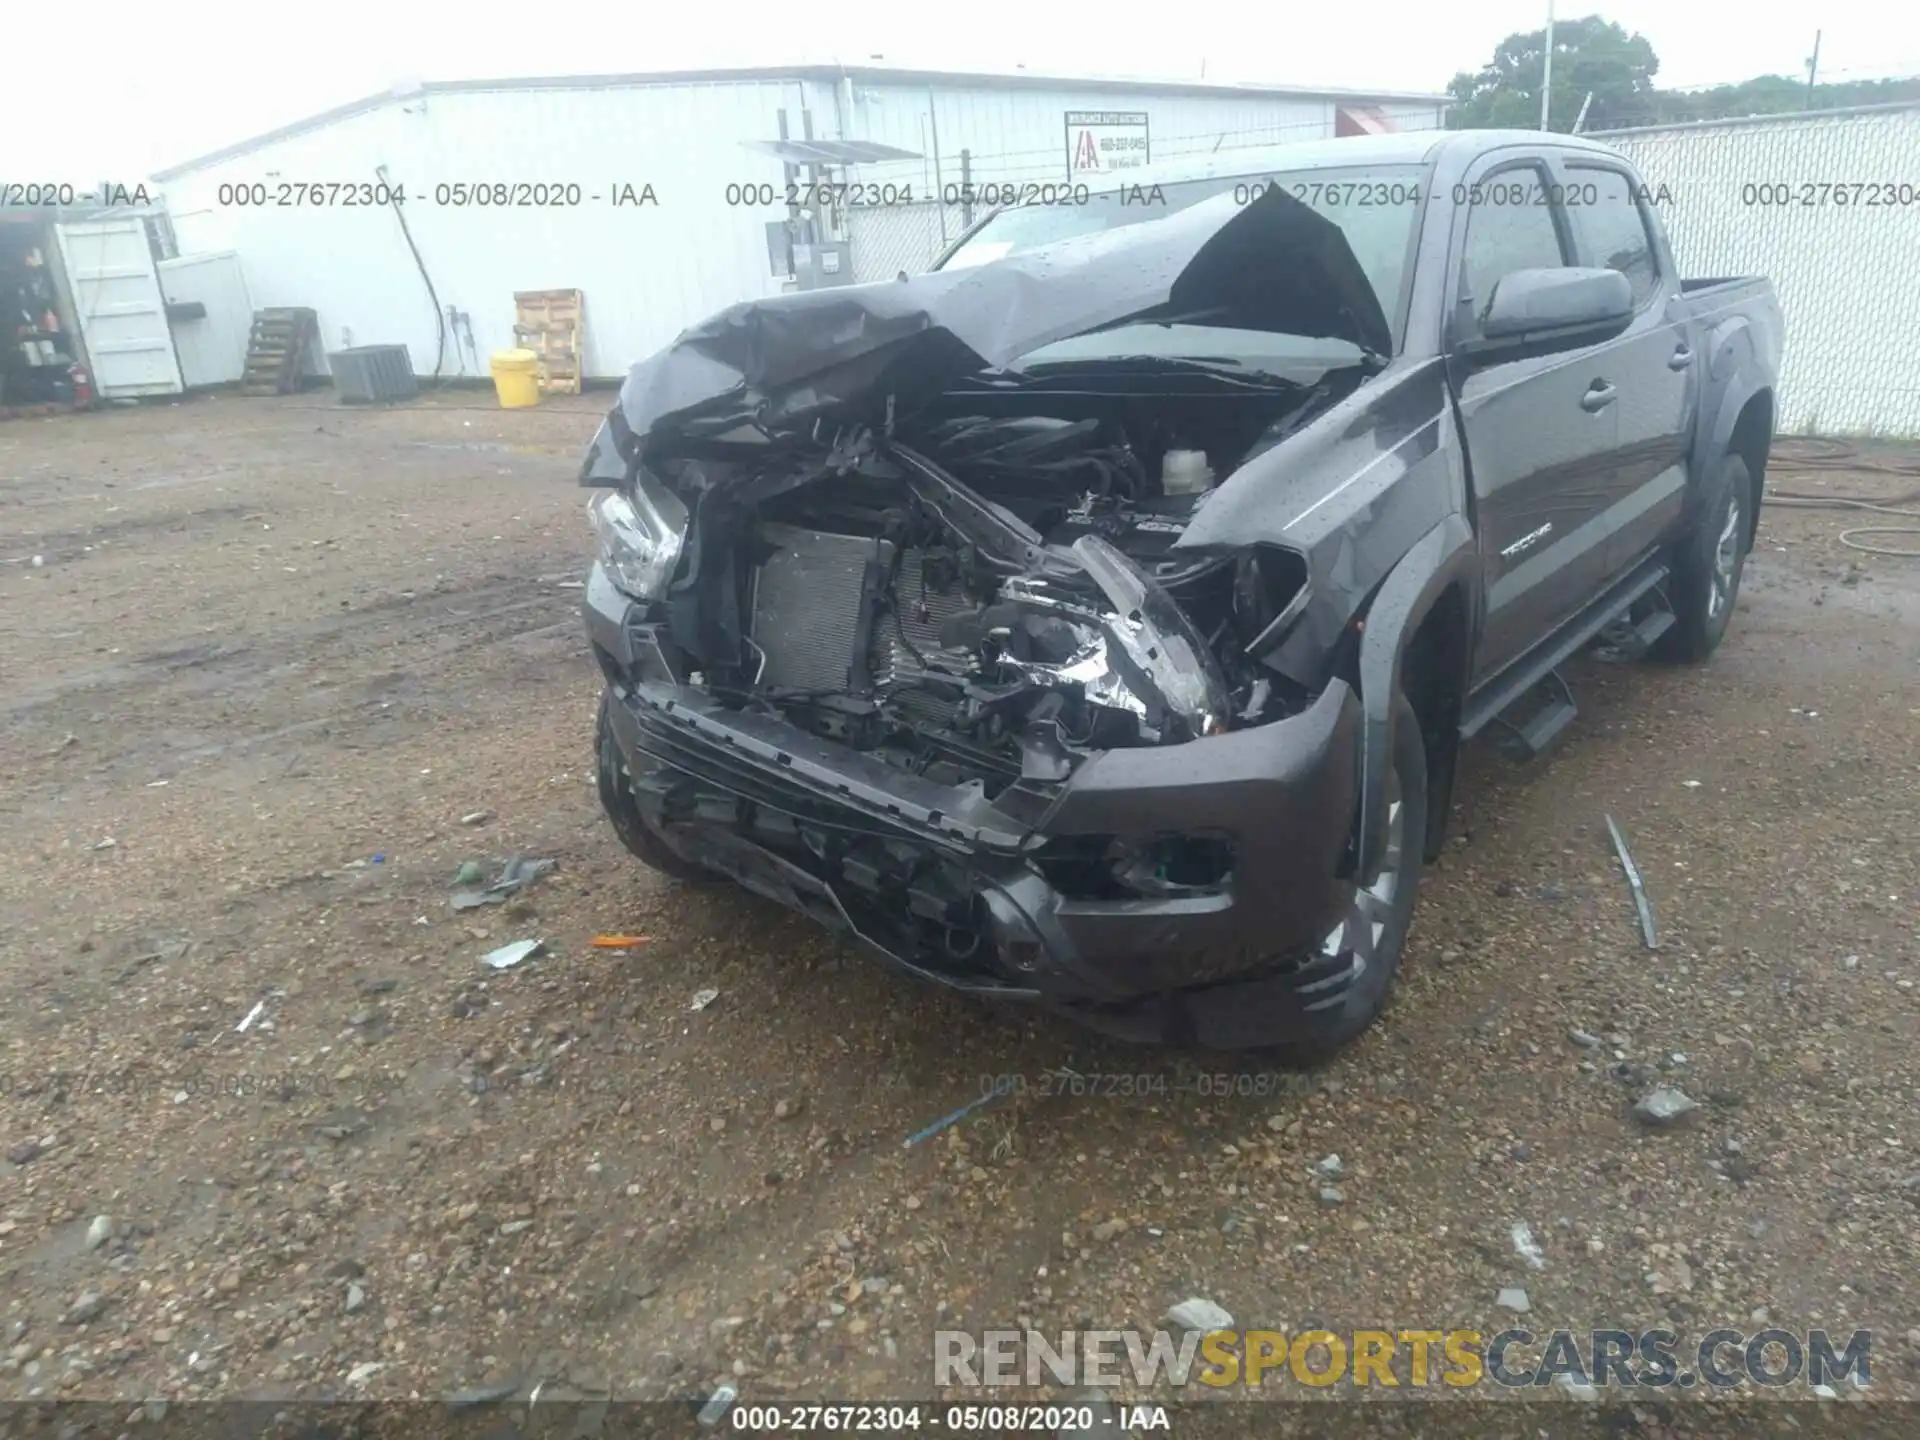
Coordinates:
[1615,227]
[1510,226]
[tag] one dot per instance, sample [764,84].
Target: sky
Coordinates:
[154,85]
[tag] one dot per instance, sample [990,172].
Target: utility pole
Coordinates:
[1546,71]
[1813,68]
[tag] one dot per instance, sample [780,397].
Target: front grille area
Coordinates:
[806,606]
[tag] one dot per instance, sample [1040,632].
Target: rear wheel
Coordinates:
[1708,566]
[1373,932]
[616,798]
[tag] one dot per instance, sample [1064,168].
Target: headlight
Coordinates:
[640,537]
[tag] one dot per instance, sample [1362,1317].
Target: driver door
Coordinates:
[1541,431]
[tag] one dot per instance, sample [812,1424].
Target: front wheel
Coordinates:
[1708,566]
[1373,932]
[616,798]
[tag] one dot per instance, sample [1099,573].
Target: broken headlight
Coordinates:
[640,536]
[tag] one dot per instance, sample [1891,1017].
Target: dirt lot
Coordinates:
[258,659]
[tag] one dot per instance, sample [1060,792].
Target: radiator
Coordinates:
[806,605]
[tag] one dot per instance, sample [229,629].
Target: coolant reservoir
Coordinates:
[1185,472]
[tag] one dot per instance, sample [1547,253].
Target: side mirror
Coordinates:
[1553,308]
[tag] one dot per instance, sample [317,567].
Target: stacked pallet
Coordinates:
[277,349]
[551,323]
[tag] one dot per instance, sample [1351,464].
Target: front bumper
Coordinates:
[950,886]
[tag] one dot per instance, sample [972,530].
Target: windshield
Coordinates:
[1377,208]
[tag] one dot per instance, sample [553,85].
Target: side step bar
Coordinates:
[1628,639]
[1554,709]
[1549,718]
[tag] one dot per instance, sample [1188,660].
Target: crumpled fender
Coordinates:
[1439,558]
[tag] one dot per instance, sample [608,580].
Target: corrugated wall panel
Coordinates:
[647,271]
[1792,198]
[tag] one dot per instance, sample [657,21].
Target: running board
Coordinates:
[1553,712]
[1506,690]
[1628,640]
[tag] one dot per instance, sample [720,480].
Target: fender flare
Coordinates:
[1445,554]
[1730,352]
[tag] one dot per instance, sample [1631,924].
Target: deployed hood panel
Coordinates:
[781,363]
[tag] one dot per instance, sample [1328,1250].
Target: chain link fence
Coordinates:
[887,239]
[1827,206]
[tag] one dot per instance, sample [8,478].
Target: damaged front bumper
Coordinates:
[974,893]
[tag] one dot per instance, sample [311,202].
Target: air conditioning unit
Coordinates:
[372,374]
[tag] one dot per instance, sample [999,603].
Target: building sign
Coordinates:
[1100,142]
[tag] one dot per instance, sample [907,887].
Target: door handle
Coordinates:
[1599,395]
[1680,358]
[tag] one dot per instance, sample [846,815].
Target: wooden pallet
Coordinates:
[277,349]
[552,324]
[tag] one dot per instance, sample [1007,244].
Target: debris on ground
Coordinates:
[469,873]
[1663,1105]
[1199,1313]
[717,1406]
[106,842]
[476,817]
[246,1020]
[515,875]
[99,1232]
[952,1119]
[1640,901]
[1513,1298]
[702,999]
[617,942]
[1526,1247]
[508,956]
[1329,1168]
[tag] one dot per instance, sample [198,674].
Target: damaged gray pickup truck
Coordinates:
[1094,620]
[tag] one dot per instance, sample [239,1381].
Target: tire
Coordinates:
[1367,999]
[1707,566]
[616,798]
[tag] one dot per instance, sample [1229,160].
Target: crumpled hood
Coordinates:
[1271,264]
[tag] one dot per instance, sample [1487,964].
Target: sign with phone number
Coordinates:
[1102,141]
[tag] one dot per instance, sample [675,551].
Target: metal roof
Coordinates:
[830,152]
[820,74]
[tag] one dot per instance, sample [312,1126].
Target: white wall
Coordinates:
[647,273]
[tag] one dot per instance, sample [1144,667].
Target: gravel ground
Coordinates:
[271,671]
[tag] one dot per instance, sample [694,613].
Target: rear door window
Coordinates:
[1614,228]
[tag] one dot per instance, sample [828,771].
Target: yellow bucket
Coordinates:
[516,378]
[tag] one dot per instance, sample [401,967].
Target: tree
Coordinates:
[1590,55]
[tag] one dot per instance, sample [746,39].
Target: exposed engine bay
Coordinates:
[994,596]
[892,516]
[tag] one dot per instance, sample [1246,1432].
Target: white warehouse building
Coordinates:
[666,197]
